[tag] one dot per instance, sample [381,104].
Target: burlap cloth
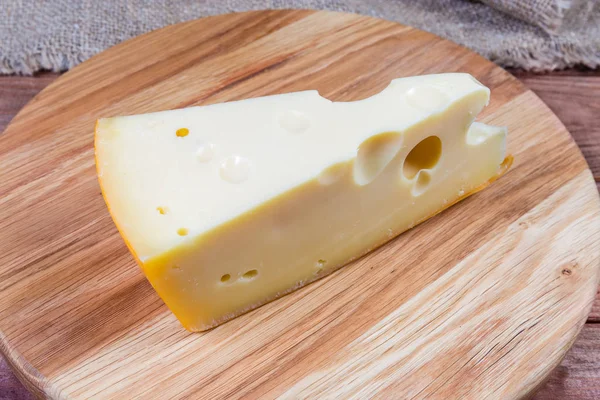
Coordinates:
[531,34]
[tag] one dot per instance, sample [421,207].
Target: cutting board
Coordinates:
[481,301]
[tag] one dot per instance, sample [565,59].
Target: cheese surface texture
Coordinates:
[228,206]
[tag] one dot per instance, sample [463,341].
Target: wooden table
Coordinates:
[573,95]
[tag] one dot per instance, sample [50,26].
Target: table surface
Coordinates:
[573,95]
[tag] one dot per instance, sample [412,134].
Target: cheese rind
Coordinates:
[262,196]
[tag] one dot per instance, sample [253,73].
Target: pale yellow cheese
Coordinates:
[228,206]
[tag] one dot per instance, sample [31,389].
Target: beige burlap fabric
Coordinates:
[532,34]
[554,16]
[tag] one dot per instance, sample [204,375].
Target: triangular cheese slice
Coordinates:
[228,206]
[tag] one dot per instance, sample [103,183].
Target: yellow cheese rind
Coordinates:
[408,169]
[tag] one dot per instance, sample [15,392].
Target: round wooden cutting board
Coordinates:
[481,301]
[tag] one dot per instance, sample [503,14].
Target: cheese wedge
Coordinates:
[228,206]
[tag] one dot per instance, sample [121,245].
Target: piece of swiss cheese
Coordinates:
[228,206]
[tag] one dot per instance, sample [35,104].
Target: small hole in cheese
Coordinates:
[250,274]
[161,210]
[182,231]
[424,155]
[225,278]
[182,132]
[422,183]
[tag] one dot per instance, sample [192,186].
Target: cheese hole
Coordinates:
[161,210]
[250,274]
[422,183]
[225,278]
[182,231]
[182,132]
[374,154]
[424,155]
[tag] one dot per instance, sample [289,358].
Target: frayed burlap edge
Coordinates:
[42,60]
[548,57]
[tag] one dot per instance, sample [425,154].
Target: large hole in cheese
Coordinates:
[374,154]
[424,155]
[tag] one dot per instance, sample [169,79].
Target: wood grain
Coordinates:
[457,306]
[574,96]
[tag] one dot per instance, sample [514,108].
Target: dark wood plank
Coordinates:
[578,376]
[574,97]
[595,313]
[10,387]
[16,91]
